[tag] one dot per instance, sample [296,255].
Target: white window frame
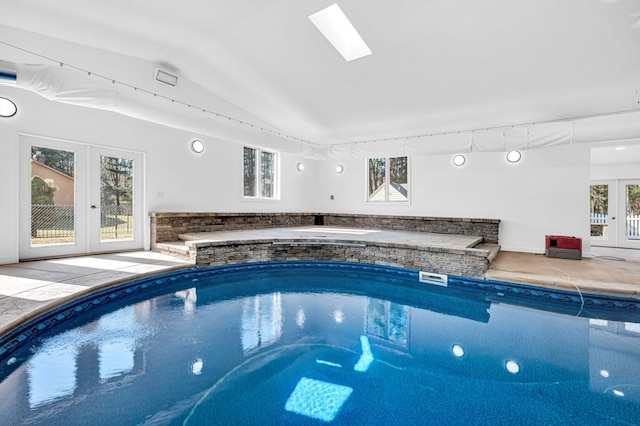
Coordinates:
[258,182]
[387,179]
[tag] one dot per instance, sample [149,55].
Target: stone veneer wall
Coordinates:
[486,228]
[462,262]
[166,227]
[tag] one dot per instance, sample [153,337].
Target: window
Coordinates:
[259,173]
[388,179]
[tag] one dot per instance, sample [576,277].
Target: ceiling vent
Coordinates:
[166,78]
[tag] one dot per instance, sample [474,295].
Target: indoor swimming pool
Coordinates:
[325,343]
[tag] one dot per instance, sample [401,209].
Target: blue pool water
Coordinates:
[324,343]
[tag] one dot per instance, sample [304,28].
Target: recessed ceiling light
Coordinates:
[339,168]
[459,160]
[514,156]
[300,167]
[7,108]
[197,146]
[336,27]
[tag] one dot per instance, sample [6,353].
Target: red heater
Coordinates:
[563,247]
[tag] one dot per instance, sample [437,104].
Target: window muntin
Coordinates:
[388,179]
[260,173]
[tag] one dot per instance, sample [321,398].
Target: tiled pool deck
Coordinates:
[28,288]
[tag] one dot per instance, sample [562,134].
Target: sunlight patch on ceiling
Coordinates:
[336,27]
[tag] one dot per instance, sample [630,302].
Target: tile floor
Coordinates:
[29,288]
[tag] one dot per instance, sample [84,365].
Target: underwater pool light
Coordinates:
[196,366]
[512,367]
[457,350]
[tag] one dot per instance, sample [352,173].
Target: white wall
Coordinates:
[615,171]
[547,192]
[176,178]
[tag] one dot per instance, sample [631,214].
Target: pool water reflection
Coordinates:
[324,344]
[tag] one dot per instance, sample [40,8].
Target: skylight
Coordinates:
[336,27]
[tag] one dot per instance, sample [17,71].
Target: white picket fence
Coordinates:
[633,223]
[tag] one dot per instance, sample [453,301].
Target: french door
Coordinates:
[78,199]
[615,213]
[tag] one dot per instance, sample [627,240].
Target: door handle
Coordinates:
[93,206]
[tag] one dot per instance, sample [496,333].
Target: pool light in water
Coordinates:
[512,367]
[196,366]
[458,351]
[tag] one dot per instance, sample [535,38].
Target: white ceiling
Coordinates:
[437,66]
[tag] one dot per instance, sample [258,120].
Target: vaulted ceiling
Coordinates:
[437,66]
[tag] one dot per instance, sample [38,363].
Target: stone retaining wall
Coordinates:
[468,262]
[166,227]
[486,228]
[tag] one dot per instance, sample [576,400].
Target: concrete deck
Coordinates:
[610,271]
[338,234]
[30,288]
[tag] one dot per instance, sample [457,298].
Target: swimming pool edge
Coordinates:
[31,325]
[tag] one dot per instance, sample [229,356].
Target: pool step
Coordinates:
[493,249]
[174,248]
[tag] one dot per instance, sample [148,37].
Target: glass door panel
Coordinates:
[599,214]
[632,214]
[52,192]
[78,199]
[615,213]
[52,196]
[115,220]
[116,198]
